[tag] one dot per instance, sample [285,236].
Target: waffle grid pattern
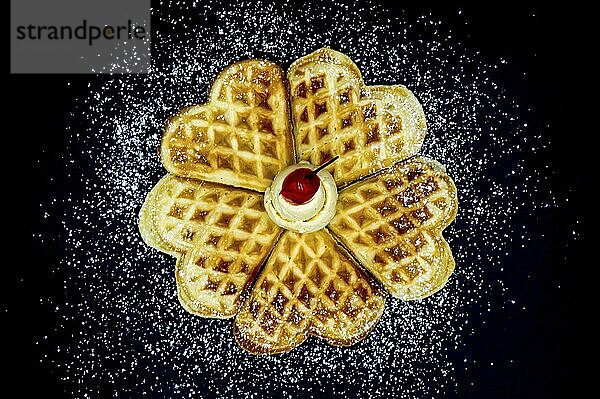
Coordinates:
[223,235]
[393,223]
[241,137]
[308,286]
[334,113]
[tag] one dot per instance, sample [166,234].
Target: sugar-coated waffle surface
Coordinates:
[241,136]
[220,235]
[308,286]
[393,224]
[335,113]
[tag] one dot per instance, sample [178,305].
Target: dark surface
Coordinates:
[543,342]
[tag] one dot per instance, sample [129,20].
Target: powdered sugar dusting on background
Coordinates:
[123,332]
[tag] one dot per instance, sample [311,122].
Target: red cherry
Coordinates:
[298,187]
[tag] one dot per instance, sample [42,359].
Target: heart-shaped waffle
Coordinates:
[393,223]
[308,286]
[241,136]
[335,113]
[220,236]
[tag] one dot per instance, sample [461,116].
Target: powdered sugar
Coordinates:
[124,332]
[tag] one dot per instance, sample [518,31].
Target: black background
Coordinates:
[543,49]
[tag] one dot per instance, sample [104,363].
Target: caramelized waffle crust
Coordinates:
[335,113]
[308,286]
[241,136]
[392,223]
[220,236]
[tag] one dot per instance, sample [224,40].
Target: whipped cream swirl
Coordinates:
[307,217]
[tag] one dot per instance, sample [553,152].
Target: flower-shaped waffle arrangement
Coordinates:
[288,249]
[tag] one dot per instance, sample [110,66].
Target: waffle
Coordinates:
[308,286]
[220,236]
[209,213]
[392,223]
[241,137]
[334,113]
